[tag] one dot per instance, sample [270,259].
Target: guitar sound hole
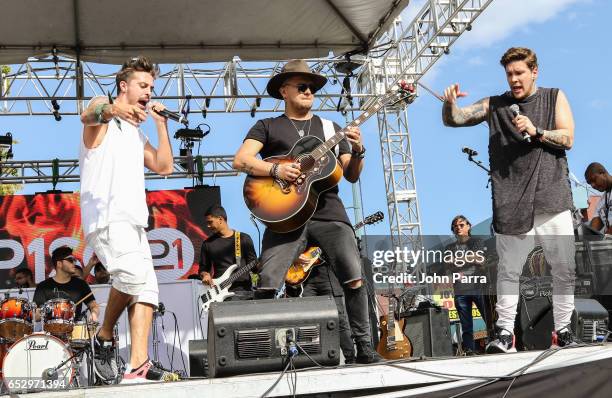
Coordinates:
[306,163]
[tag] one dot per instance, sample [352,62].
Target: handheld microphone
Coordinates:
[469,151]
[177,117]
[516,111]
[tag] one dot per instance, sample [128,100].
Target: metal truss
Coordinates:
[411,53]
[59,86]
[40,86]
[54,171]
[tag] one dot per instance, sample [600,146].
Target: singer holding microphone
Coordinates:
[114,212]
[530,128]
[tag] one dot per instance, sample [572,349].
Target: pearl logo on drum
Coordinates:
[33,346]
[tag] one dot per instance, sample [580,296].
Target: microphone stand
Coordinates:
[479,164]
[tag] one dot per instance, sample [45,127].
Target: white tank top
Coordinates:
[112,179]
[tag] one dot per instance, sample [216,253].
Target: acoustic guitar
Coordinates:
[286,206]
[298,273]
[393,344]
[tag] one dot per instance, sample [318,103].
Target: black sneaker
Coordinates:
[563,338]
[149,372]
[366,354]
[105,361]
[504,342]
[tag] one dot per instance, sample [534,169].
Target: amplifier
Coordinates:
[589,317]
[429,332]
[256,336]
[595,258]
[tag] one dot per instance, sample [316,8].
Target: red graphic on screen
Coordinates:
[30,224]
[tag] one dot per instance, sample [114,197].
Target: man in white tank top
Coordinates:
[114,212]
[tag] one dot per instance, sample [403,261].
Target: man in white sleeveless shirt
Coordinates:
[114,212]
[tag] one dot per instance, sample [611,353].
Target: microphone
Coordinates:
[161,308]
[469,151]
[516,111]
[172,115]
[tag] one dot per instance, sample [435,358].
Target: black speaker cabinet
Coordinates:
[198,358]
[252,336]
[429,332]
[535,324]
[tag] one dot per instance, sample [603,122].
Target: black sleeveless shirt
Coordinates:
[527,178]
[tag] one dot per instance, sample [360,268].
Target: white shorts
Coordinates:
[124,250]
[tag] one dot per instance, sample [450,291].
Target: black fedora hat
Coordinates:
[295,67]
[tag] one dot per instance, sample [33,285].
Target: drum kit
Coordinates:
[50,359]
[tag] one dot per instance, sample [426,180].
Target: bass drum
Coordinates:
[35,357]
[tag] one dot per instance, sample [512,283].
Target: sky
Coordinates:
[569,39]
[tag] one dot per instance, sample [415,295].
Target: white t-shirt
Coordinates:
[604,209]
[112,179]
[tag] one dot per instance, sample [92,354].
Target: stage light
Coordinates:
[6,142]
[56,108]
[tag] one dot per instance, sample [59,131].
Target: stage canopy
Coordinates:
[191,31]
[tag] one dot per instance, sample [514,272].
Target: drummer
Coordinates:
[63,285]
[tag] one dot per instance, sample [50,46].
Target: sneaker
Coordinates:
[503,343]
[105,361]
[366,354]
[149,372]
[563,338]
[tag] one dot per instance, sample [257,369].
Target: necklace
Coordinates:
[301,131]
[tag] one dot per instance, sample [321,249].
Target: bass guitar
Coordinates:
[298,273]
[285,206]
[219,291]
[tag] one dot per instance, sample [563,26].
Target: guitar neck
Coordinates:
[334,140]
[238,273]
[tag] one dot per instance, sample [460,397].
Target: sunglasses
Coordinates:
[71,259]
[302,87]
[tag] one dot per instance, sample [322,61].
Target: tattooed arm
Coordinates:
[246,161]
[471,115]
[563,135]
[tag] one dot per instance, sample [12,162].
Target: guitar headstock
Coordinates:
[374,218]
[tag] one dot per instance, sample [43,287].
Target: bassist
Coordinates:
[329,227]
[219,252]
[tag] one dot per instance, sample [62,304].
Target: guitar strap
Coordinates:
[328,132]
[237,250]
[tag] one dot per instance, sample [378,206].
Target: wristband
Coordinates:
[359,155]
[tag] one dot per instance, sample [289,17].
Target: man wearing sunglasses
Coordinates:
[466,293]
[329,227]
[65,285]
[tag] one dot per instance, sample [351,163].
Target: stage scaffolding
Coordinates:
[405,51]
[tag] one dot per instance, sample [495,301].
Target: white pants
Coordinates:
[555,233]
[124,250]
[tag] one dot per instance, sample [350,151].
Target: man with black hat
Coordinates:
[329,227]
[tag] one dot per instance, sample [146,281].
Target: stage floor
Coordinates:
[390,379]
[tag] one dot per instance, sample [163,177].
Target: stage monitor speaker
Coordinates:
[535,325]
[254,336]
[429,332]
[198,358]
